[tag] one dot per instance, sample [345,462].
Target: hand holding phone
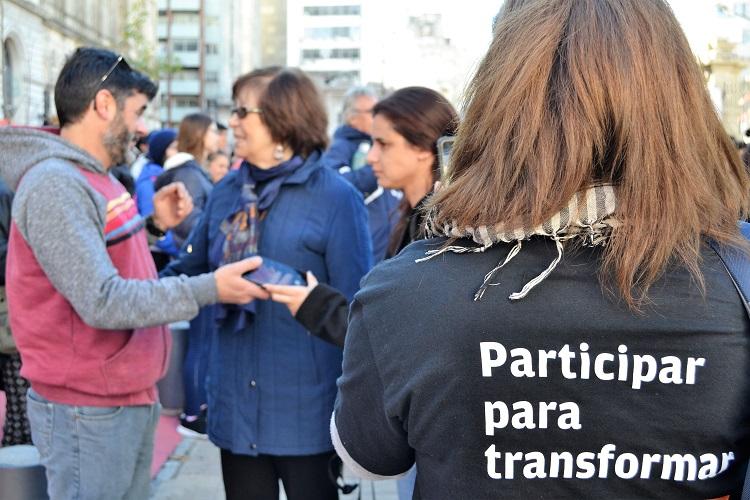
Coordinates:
[232,288]
[272,272]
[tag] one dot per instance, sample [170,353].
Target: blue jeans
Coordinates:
[405,485]
[94,452]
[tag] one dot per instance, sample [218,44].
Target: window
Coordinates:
[186,74]
[344,54]
[186,101]
[335,32]
[212,48]
[181,17]
[333,10]
[313,54]
[184,45]
[742,9]
[212,76]
[185,18]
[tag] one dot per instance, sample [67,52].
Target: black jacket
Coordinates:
[563,394]
[197,184]
[324,314]
[410,229]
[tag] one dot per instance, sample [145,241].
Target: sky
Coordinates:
[699,21]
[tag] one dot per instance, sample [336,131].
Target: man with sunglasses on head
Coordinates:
[86,305]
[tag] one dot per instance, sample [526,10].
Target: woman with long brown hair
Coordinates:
[405,130]
[568,332]
[197,137]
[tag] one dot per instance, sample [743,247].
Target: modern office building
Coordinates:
[211,42]
[324,38]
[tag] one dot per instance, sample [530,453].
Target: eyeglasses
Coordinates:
[120,59]
[111,69]
[100,82]
[242,111]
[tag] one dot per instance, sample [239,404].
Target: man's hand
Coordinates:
[293,296]
[172,204]
[233,288]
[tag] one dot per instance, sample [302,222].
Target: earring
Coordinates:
[278,152]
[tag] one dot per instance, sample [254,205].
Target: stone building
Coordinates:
[38,35]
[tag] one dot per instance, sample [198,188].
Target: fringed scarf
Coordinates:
[589,216]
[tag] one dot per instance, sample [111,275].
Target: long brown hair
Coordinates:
[575,92]
[293,109]
[190,137]
[421,116]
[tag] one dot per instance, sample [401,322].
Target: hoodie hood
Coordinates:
[177,159]
[23,148]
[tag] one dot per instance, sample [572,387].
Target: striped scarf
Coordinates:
[589,216]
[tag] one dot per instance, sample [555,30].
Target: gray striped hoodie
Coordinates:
[71,250]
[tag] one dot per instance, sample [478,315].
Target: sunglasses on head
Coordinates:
[103,78]
[120,59]
[242,111]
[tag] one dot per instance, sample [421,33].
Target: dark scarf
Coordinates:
[241,230]
[268,181]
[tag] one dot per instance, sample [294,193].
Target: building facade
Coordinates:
[324,39]
[273,30]
[38,35]
[210,43]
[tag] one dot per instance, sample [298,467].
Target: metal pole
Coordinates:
[202,62]
[169,62]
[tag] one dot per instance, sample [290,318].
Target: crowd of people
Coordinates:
[549,314]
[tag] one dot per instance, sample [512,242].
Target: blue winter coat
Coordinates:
[271,386]
[382,205]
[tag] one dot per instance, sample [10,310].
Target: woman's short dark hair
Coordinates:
[292,107]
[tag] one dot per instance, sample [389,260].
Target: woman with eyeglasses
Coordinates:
[270,384]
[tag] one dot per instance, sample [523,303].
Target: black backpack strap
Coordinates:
[737,264]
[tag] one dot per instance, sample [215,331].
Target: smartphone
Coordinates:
[445,147]
[272,272]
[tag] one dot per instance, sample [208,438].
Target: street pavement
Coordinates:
[193,471]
